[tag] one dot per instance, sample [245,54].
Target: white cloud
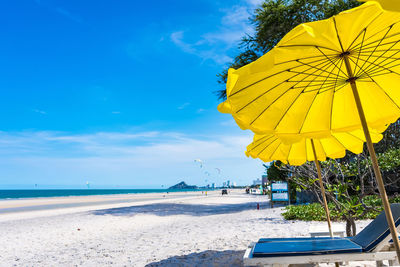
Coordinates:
[130,158]
[255,3]
[39,111]
[214,45]
[184,105]
[64,12]
[68,14]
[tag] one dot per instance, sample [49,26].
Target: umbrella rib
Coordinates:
[376,72]
[364,72]
[333,94]
[272,101]
[344,147]
[276,149]
[377,66]
[371,44]
[262,142]
[384,91]
[362,41]
[337,34]
[290,150]
[313,85]
[305,146]
[373,35]
[377,57]
[283,115]
[288,61]
[273,153]
[309,108]
[369,68]
[262,112]
[365,52]
[373,51]
[365,29]
[255,99]
[247,86]
[323,150]
[339,87]
[380,72]
[387,57]
[345,74]
[262,150]
[296,100]
[267,77]
[356,137]
[322,70]
[254,144]
[321,76]
[322,90]
[307,45]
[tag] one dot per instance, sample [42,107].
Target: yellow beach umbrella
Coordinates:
[338,74]
[270,147]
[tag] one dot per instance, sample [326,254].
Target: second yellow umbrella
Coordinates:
[271,147]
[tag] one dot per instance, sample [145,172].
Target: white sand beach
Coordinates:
[179,229]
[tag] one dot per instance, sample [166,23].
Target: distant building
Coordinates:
[224,184]
[257,181]
[264,179]
[213,185]
[228,183]
[234,184]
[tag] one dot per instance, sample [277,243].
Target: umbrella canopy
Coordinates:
[270,147]
[392,5]
[303,85]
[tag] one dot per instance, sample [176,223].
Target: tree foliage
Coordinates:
[349,181]
[272,20]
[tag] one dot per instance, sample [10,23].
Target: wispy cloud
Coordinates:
[184,105]
[68,14]
[39,111]
[214,45]
[62,11]
[128,157]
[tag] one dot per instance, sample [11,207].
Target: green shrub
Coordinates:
[316,212]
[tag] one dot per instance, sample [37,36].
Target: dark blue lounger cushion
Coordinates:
[294,239]
[315,246]
[377,230]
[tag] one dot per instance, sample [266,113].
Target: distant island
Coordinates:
[183,185]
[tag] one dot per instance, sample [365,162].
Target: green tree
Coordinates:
[273,19]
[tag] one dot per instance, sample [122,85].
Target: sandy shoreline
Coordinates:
[179,230]
[33,207]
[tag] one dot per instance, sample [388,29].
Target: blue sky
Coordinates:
[119,93]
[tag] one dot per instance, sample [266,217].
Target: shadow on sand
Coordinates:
[168,209]
[207,258]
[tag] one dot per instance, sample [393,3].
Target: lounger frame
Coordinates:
[381,252]
[248,260]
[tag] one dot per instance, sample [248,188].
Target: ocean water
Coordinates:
[33,193]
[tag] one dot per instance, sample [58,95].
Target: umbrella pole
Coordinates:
[377,172]
[321,185]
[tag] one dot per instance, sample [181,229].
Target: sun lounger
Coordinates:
[371,244]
